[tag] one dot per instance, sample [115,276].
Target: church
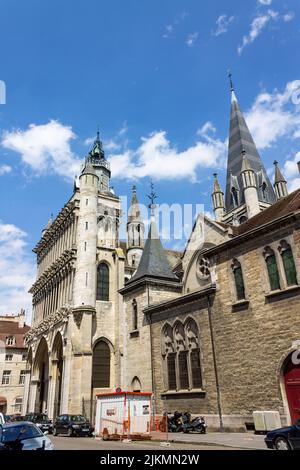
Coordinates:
[214,330]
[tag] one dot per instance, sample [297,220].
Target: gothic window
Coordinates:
[103,282]
[101,365]
[238,280]
[196,368]
[171,365]
[272,268]
[134,315]
[181,353]
[288,264]
[183,370]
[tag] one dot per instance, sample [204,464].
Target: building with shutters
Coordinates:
[13,357]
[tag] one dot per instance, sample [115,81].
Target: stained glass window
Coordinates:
[273,271]
[103,282]
[289,267]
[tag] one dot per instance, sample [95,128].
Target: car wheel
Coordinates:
[282,444]
[54,432]
[70,432]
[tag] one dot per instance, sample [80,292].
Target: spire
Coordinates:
[134,212]
[245,163]
[280,184]
[97,150]
[241,140]
[154,262]
[218,199]
[88,169]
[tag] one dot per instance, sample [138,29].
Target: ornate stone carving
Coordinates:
[60,316]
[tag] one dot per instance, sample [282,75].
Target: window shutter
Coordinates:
[289,267]
[273,272]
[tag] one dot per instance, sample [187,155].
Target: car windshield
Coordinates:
[40,418]
[78,418]
[20,431]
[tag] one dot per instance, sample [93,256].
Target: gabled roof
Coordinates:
[281,208]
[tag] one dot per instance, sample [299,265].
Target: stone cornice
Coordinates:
[60,316]
[62,220]
[61,265]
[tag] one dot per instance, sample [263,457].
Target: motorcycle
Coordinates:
[173,422]
[197,424]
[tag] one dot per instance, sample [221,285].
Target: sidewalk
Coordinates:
[248,441]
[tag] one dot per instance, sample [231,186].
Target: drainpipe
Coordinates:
[209,309]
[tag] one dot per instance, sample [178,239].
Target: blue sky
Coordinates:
[153,75]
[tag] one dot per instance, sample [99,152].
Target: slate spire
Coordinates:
[154,262]
[240,141]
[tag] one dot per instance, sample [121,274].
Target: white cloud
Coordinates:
[191,39]
[265,2]
[4,169]
[273,115]
[17,270]
[157,158]
[289,16]
[45,148]
[223,22]
[256,28]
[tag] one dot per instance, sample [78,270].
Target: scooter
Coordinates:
[198,424]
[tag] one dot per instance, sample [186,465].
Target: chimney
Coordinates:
[21,318]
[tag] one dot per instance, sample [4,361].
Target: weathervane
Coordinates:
[152,198]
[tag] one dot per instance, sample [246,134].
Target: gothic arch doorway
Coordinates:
[57,372]
[41,372]
[291,374]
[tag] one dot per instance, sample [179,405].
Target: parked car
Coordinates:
[22,435]
[72,425]
[17,417]
[41,420]
[287,438]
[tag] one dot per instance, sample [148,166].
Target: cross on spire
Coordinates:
[230,80]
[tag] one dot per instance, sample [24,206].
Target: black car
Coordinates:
[285,438]
[41,420]
[72,425]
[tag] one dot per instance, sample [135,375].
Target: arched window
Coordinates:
[272,268]
[181,354]
[136,385]
[288,264]
[101,365]
[134,315]
[238,280]
[103,282]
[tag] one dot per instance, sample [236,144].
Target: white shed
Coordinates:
[123,414]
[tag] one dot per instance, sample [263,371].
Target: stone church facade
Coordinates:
[215,331]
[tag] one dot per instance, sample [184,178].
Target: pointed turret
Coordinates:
[96,158]
[249,186]
[154,262]
[241,139]
[280,184]
[218,200]
[135,232]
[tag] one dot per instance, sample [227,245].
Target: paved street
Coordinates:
[86,443]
